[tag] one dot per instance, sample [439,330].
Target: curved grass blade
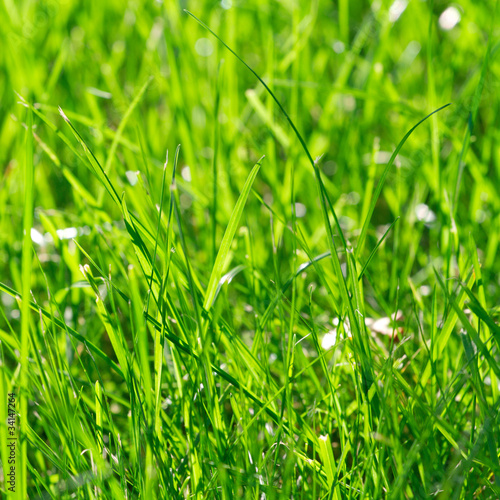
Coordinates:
[227,278]
[323,195]
[378,190]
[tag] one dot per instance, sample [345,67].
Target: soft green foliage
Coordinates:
[301,301]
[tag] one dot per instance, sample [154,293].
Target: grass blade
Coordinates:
[27,259]
[380,185]
[225,245]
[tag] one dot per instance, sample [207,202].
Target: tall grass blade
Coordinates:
[27,259]
[225,245]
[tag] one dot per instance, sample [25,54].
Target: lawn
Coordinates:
[249,249]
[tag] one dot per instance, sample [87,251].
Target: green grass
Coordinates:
[249,249]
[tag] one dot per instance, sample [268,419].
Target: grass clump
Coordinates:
[300,300]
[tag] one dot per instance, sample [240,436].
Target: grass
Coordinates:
[249,249]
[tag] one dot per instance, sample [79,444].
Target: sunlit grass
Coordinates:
[258,254]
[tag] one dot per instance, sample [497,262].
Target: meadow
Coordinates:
[249,249]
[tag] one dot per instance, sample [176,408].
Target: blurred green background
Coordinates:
[353,81]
